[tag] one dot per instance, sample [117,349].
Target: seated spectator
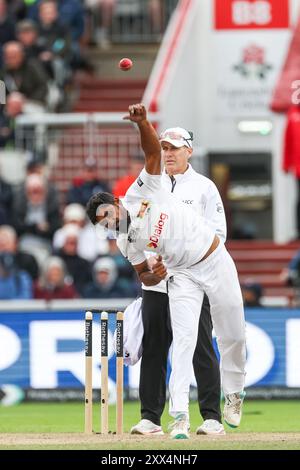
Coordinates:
[27,35]
[22,261]
[106,284]
[54,282]
[90,245]
[78,268]
[6,201]
[252,294]
[291,275]
[55,39]
[25,76]
[71,15]
[72,18]
[7,27]
[15,105]
[36,214]
[37,166]
[14,283]
[86,184]
[36,217]
[74,214]
[136,164]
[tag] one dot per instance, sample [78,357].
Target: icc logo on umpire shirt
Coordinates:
[2,93]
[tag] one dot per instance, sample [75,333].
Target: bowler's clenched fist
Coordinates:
[159,268]
[136,113]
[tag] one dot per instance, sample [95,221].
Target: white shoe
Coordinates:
[211,427]
[180,427]
[147,428]
[233,409]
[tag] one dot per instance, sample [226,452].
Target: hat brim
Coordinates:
[175,143]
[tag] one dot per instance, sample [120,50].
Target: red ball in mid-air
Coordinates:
[125,64]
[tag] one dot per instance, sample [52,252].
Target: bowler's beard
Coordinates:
[123,224]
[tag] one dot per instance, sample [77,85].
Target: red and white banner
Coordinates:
[251,14]
[251,39]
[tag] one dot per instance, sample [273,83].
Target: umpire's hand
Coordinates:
[159,269]
[136,113]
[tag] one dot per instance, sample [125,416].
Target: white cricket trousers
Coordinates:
[217,277]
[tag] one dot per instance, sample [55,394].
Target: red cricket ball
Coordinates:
[125,64]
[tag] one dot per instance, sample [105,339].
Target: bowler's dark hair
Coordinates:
[95,201]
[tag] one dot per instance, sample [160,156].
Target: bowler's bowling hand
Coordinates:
[136,113]
[159,269]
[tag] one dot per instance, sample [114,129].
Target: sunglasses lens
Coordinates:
[171,135]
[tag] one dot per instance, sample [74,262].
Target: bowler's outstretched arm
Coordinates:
[149,139]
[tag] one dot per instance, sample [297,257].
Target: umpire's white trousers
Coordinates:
[217,277]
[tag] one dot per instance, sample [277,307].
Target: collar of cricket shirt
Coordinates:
[180,176]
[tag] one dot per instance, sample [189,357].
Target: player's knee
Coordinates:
[234,339]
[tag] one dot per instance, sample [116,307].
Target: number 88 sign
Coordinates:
[251,14]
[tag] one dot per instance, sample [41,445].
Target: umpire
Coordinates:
[197,190]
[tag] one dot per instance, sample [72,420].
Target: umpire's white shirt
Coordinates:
[162,224]
[202,194]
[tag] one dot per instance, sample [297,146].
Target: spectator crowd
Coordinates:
[39,50]
[49,250]
[42,44]
[48,255]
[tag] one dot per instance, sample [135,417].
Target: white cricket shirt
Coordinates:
[162,224]
[200,192]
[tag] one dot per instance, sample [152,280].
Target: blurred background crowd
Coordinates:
[43,43]
[48,249]
[58,57]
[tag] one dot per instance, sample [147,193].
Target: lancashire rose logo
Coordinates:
[253,63]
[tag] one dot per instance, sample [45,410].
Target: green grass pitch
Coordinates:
[265,425]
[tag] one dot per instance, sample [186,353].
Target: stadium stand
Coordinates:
[263,262]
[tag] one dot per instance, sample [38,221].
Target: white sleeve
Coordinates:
[128,251]
[144,186]
[214,212]
[136,257]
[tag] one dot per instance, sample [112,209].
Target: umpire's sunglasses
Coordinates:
[176,136]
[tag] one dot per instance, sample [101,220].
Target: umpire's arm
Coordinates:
[149,139]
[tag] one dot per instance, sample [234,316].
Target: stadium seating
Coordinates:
[263,262]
